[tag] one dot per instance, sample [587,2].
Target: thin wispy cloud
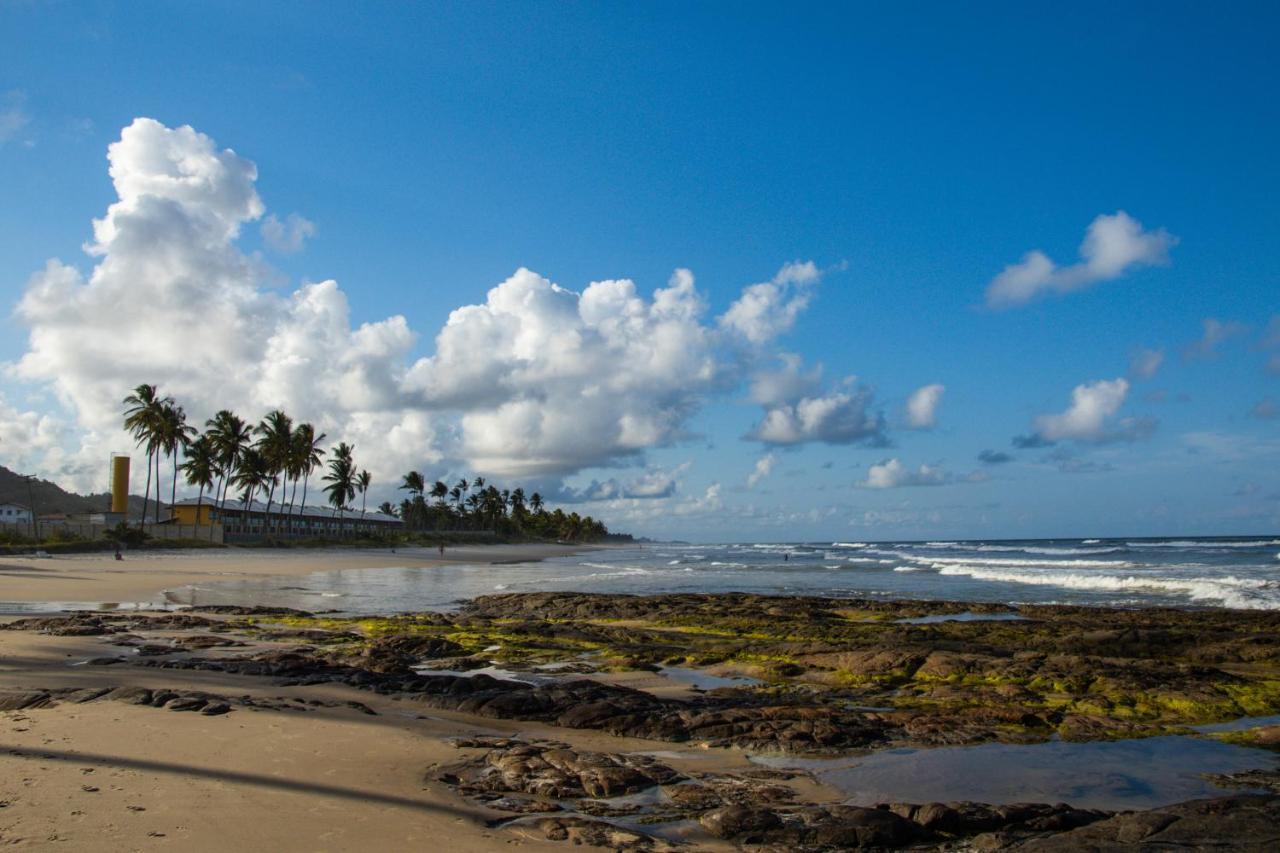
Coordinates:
[287,236]
[1145,363]
[1205,348]
[14,117]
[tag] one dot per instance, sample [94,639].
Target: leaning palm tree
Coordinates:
[275,443]
[231,437]
[363,479]
[199,469]
[142,420]
[307,455]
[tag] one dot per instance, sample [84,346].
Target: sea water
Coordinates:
[1239,572]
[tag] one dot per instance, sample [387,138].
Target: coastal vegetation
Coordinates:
[274,457]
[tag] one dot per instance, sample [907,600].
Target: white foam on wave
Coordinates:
[1022,549]
[1231,591]
[1025,563]
[849,545]
[1191,543]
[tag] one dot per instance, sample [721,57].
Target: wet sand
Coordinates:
[142,576]
[110,775]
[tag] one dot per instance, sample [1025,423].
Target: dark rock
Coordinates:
[743,823]
[1244,823]
[26,699]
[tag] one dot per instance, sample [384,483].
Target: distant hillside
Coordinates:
[51,498]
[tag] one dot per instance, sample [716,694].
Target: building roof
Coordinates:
[308,511]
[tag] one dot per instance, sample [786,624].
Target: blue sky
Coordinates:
[911,153]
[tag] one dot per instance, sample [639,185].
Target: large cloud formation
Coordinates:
[1112,246]
[538,381]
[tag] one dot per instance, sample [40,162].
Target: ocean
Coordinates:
[1239,572]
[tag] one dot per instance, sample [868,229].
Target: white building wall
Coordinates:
[14,514]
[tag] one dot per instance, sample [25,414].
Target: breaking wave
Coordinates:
[1232,591]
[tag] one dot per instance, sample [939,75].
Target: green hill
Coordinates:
[52,498]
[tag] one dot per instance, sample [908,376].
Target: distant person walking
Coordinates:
[441,549]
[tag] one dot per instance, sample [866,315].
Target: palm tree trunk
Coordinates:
[173,497]
[304,493]
[145,495]
[292,497]
[266,519]
[157,510]
[199,503]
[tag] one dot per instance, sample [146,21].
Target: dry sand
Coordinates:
[108,776]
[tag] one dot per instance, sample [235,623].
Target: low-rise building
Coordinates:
[12,513]
[237,519]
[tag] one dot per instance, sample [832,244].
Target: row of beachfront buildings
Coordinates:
[230,520]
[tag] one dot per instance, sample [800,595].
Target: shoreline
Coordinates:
[145,576]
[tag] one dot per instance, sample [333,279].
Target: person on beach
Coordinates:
[441,549]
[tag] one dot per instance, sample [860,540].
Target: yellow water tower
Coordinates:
[119,483]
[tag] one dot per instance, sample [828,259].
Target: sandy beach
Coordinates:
[543,720]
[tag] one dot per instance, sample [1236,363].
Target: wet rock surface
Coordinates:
[557,782]
[828,676]
[1247,823]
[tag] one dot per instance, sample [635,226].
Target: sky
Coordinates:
[712,271]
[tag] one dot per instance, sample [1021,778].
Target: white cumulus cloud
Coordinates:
[892,474]
[770,308]
[1090,417]
[1113,244]
[839,417]
[535,381]
[922,406]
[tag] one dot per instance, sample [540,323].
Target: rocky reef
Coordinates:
[815,677]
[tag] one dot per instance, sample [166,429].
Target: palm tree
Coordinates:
[230,437]
[387,509]
[199,469]
[535,502]
[363,479]
[306,456]
[414,484]
[439,491]
[341,479]
[275,443]
[458,491]
[251,475]
[142,420]
[175,435]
